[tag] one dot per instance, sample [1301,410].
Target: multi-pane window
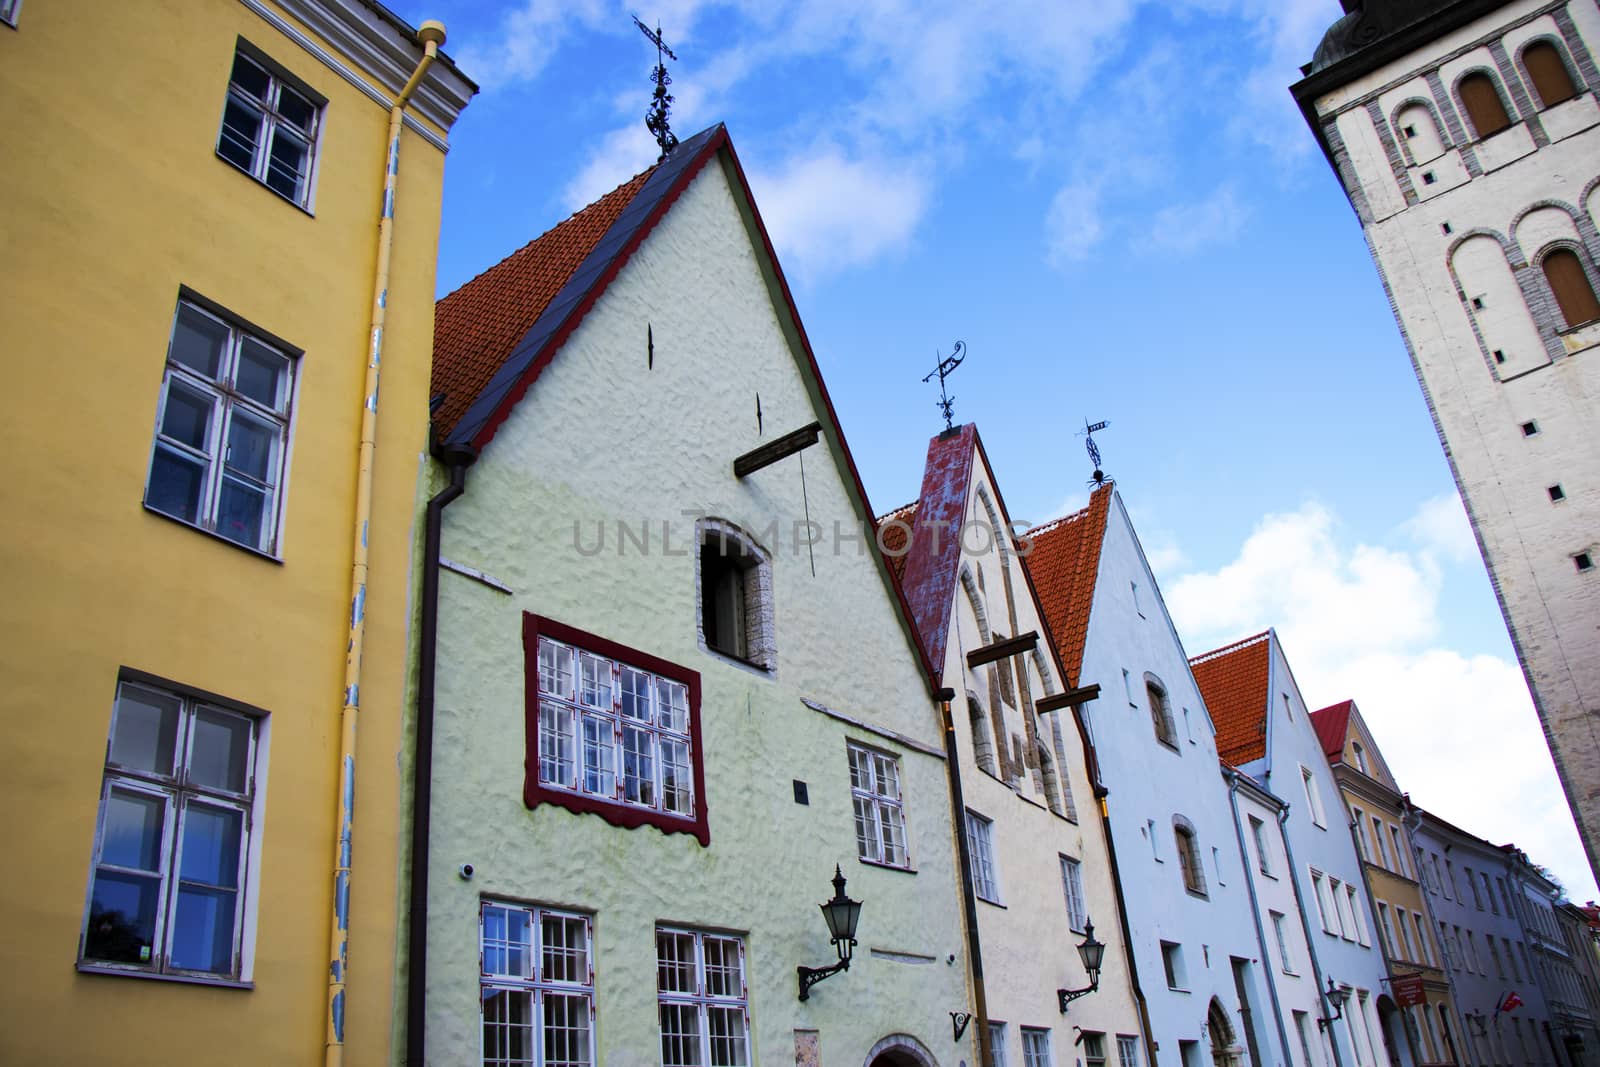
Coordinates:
[703,1000]
[537,987]
[1072,885]
[1127,1050]
[1329,923]
[614,732]
[222,430]
[1094,1050]
[997,1044]
[980,847]
[1036,1048]
[168,891]
[269,129]
[875,795]
[1355,913]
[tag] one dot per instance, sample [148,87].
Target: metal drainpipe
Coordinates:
[1311,943]
[431,34]
[969,900]
[422,760]
[1255,910]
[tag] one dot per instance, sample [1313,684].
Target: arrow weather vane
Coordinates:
[655,119]
[1098,478]
[943,370]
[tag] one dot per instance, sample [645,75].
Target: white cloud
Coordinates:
[825,211]
[1074,225]
[1185,228]
[1441,526]
[528,35]
[621,154]
[1358,622]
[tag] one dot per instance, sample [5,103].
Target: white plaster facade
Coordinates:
[1152,784]
[608,436]
[1458,226]
[1043,808]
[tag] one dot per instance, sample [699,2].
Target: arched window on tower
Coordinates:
[1570,286]
[1485,110]
[1419,132]
[1552,82]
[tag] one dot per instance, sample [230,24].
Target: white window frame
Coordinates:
[179,794]
[272,123]
[1355,914]
[1340,908]
[226,404]
[1072,888]
[1278,919]
[9,11]
[586,729]
[1036,1051]
[1313,797]
[879,807]
[1094,1049]
[706,999]
[980,849]
[997,1043]
[1258,830]
[1319,890]
[533,979]
[1127,1050]
[1173,967]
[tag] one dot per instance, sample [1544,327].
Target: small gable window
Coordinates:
[1485,110]
[1161,712]
[1552,83]
[1563,270]
[1194,875]
[735,595]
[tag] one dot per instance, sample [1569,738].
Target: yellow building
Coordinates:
[1416,1009]
[203,590]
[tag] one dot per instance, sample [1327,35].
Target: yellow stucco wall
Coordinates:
[115,199]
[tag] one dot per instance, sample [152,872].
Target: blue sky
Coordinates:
[1119,210]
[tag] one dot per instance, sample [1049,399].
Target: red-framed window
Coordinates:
[611,731]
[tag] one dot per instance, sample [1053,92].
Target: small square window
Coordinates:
[875,796]
[1477,303]
[1445,226]
[269,128]
[1499,353]
[1530,428]
[1172,963]
[222,430]
[1410,132]
[1556,493]
[171,875]
[802,793]
[1428,177]
[1583,561]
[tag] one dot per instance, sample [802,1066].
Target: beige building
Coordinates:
[1466,134]
[1417,1011]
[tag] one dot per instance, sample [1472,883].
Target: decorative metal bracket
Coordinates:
[810,976]
[1067,996]
[958,1023]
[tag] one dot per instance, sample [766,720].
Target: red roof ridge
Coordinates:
[1217,653]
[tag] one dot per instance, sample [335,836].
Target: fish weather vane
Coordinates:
[655,120]
[1098,478]
[943,370]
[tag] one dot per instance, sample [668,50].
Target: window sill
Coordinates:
[231,165]
[1176,751]
[992,903]
[1197,894]
[256,552]
[759,669]
[885,866]
[1267,874]
[1179,989]
[183,979]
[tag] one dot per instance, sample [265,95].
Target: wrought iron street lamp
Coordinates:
[1092,953]
[841,914]
[1336,997]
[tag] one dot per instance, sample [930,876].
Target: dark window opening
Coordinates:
[1485,110]
[1499,355]
[1570,284]
[1477,303]
[1582,561]
[722,597]
[1551,81]
[1530,428]
[1411,131]
[1428,177]
[1556,493]
[1445,226]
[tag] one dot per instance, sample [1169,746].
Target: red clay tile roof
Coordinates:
[1064,562]
[893,537]
[476,327]
[1233,683]
[1333,725]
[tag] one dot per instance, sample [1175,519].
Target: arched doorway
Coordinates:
[1225,1050]
[1395,1040]
[900,1050]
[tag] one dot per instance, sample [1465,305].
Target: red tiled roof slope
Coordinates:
[894,537]
[1233,683]
[1064,562]
[1333,725]
[476,327]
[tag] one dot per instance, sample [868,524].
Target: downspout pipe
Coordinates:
[422,759]
[969,897]
[431,35]
[1311,941]
[1233,777]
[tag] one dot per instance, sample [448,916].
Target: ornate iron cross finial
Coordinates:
[1098,478]
[656,120]
[943,370]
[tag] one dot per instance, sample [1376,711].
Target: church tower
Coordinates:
[1466,134]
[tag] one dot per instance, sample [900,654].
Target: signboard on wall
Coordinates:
[1408,990]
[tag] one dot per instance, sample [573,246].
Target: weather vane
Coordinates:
[943,370]
[655,120]
[1098,478]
